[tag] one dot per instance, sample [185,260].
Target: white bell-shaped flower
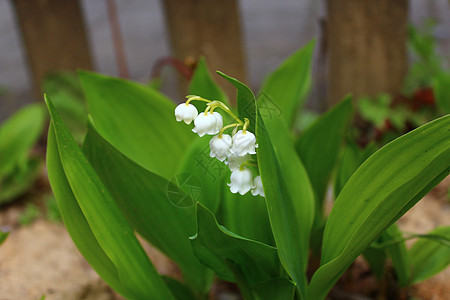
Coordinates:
[234,162]
[258,189]
[220,146]
[186,112]
[241,181]
[243,143]
[208,123]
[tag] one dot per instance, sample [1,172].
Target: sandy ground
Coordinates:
[41,259]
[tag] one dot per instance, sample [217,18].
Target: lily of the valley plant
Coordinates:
[124,179]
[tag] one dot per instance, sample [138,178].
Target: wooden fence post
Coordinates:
[54,37]
[211,28]
[367,47]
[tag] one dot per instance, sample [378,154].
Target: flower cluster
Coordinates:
[234,150]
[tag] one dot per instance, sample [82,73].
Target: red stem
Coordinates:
[177,64]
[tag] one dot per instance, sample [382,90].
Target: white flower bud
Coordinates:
[209,123]
[220,146]
[241,181]
[243,143]
[258,189]
[234,162]
[186,112]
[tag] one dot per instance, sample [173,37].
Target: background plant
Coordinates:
[19,167]
[424,95]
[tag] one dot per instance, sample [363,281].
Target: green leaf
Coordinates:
[377,261]
[390,244]
[289,197]
[398,254]
[318,148]
[292,168]
[75,221]
[386,185]
[289,84]
[245,100]
[246,216]
[3,236]
[203,85]
[143,198]
[138,121]
[352,158]
[179,291]
[20,180]
[217,247]
[68,99]
[375,109]
[79,184]
[428,257]
[18,134]
[208,174]
[277,288]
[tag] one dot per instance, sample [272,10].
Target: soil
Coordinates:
[40,259]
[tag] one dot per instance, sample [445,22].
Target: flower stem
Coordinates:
[215,104]
[226,127]
[247,122]
[198,98]
[245,164]
[228,111]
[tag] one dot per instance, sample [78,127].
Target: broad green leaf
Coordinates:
[74,220]
[18,134]
[3,236]
[318,148]
[398,253]
[138,121]
[390,244]
[206,174]
[441,91]
[179,291]
[277,288]
[352,158]
[291,167]
[246,216]
[386,185]
[203,85]
[428,257]
[377,261]
[245,101]
[242,284]
[287,191]
[216,247]
[143,198]
[68,99]
[290,83]
[136,273]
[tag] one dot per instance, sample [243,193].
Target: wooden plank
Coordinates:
[54,37]
[211,28]
[367,48]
